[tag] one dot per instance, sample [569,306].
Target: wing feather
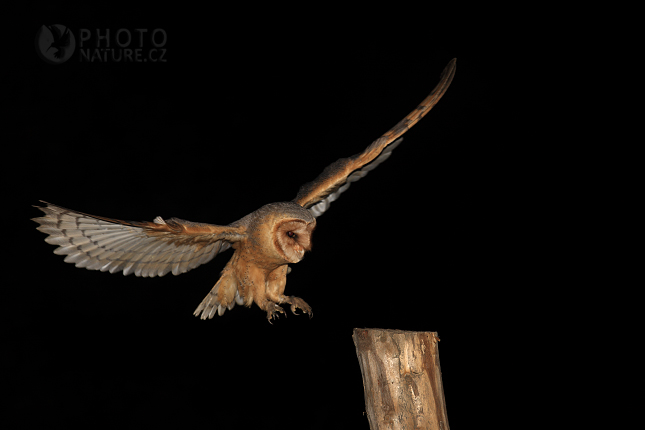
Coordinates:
[146,249]
[336,178]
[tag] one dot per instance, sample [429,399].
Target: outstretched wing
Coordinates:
[143,248]
[336,178]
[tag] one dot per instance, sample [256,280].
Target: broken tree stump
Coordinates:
[401,379]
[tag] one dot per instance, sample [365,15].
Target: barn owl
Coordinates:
[265,242]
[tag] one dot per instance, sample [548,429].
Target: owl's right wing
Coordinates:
[337,177]
[144,248]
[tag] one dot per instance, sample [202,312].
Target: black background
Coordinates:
[249,105]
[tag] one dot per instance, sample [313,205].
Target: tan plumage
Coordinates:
[264,242]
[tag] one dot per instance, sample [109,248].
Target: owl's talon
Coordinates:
[272,310]
[297,302]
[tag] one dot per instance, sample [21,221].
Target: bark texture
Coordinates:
[402,379]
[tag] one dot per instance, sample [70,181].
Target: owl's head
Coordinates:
[292,238]
[279,233]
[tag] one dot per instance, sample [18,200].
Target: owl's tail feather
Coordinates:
[223,296]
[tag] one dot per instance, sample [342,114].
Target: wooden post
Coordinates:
[401,378]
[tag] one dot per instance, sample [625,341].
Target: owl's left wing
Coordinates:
[336,178]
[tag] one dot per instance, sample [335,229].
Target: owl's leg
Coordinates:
[276,282]
[274,285]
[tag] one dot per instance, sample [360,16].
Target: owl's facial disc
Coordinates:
[293,238]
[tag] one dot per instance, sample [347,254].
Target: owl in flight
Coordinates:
[265,242]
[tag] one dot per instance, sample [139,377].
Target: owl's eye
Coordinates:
[292,234]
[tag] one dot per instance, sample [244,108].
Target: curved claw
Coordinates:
[272,312]
[298,303]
